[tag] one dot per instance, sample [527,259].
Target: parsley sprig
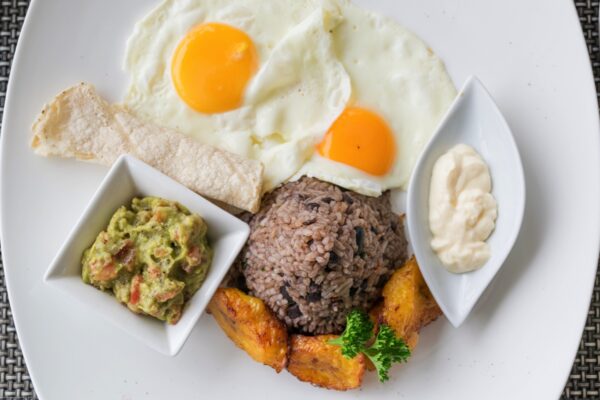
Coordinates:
[385,350]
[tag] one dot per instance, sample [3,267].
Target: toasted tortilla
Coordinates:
[80,124]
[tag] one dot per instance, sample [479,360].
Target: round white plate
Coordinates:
[521,339]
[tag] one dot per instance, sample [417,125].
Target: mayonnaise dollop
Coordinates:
[462,211]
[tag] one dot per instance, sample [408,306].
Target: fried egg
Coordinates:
[258,78]
[318,88]
[394,76]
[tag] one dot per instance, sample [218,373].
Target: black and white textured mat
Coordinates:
[584,382]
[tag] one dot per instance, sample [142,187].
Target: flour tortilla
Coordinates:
[80,124]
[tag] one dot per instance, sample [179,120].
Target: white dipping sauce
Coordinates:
[462,211]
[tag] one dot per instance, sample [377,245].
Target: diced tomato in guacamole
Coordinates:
[152,256]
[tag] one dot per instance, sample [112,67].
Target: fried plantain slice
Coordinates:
[375,314]
[312,359]
[407,302]
[251,326]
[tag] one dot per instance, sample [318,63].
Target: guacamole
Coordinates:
[153,257]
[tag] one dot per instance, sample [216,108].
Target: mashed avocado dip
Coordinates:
[153,256]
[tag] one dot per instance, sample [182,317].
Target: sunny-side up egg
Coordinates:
[400,92]
[255,77]
[318,88]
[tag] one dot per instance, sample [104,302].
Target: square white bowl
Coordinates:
[129,178]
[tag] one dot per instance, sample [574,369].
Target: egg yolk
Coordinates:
[212,66]
[362,139]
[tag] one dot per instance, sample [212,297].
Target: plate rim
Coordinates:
[6,112]
[592,92]
[25,31]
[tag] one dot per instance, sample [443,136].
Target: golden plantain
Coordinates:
[251,326]
[407,303]
[314,360]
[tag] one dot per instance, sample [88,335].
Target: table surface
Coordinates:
[584,381]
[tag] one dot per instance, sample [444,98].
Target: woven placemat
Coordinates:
[584,382]
[14,378]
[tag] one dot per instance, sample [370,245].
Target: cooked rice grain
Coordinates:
[317,251]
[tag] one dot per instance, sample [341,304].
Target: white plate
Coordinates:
[521,339]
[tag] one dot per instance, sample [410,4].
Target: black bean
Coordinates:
[286,295]
[309,222]
[360,239]
[313,297]
[327,200]
[314,292]
[294,311]
[333,257]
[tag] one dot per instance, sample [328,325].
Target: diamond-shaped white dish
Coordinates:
[473,119]
[129,178]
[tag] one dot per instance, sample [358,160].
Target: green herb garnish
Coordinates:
[385,349]
[359,329]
